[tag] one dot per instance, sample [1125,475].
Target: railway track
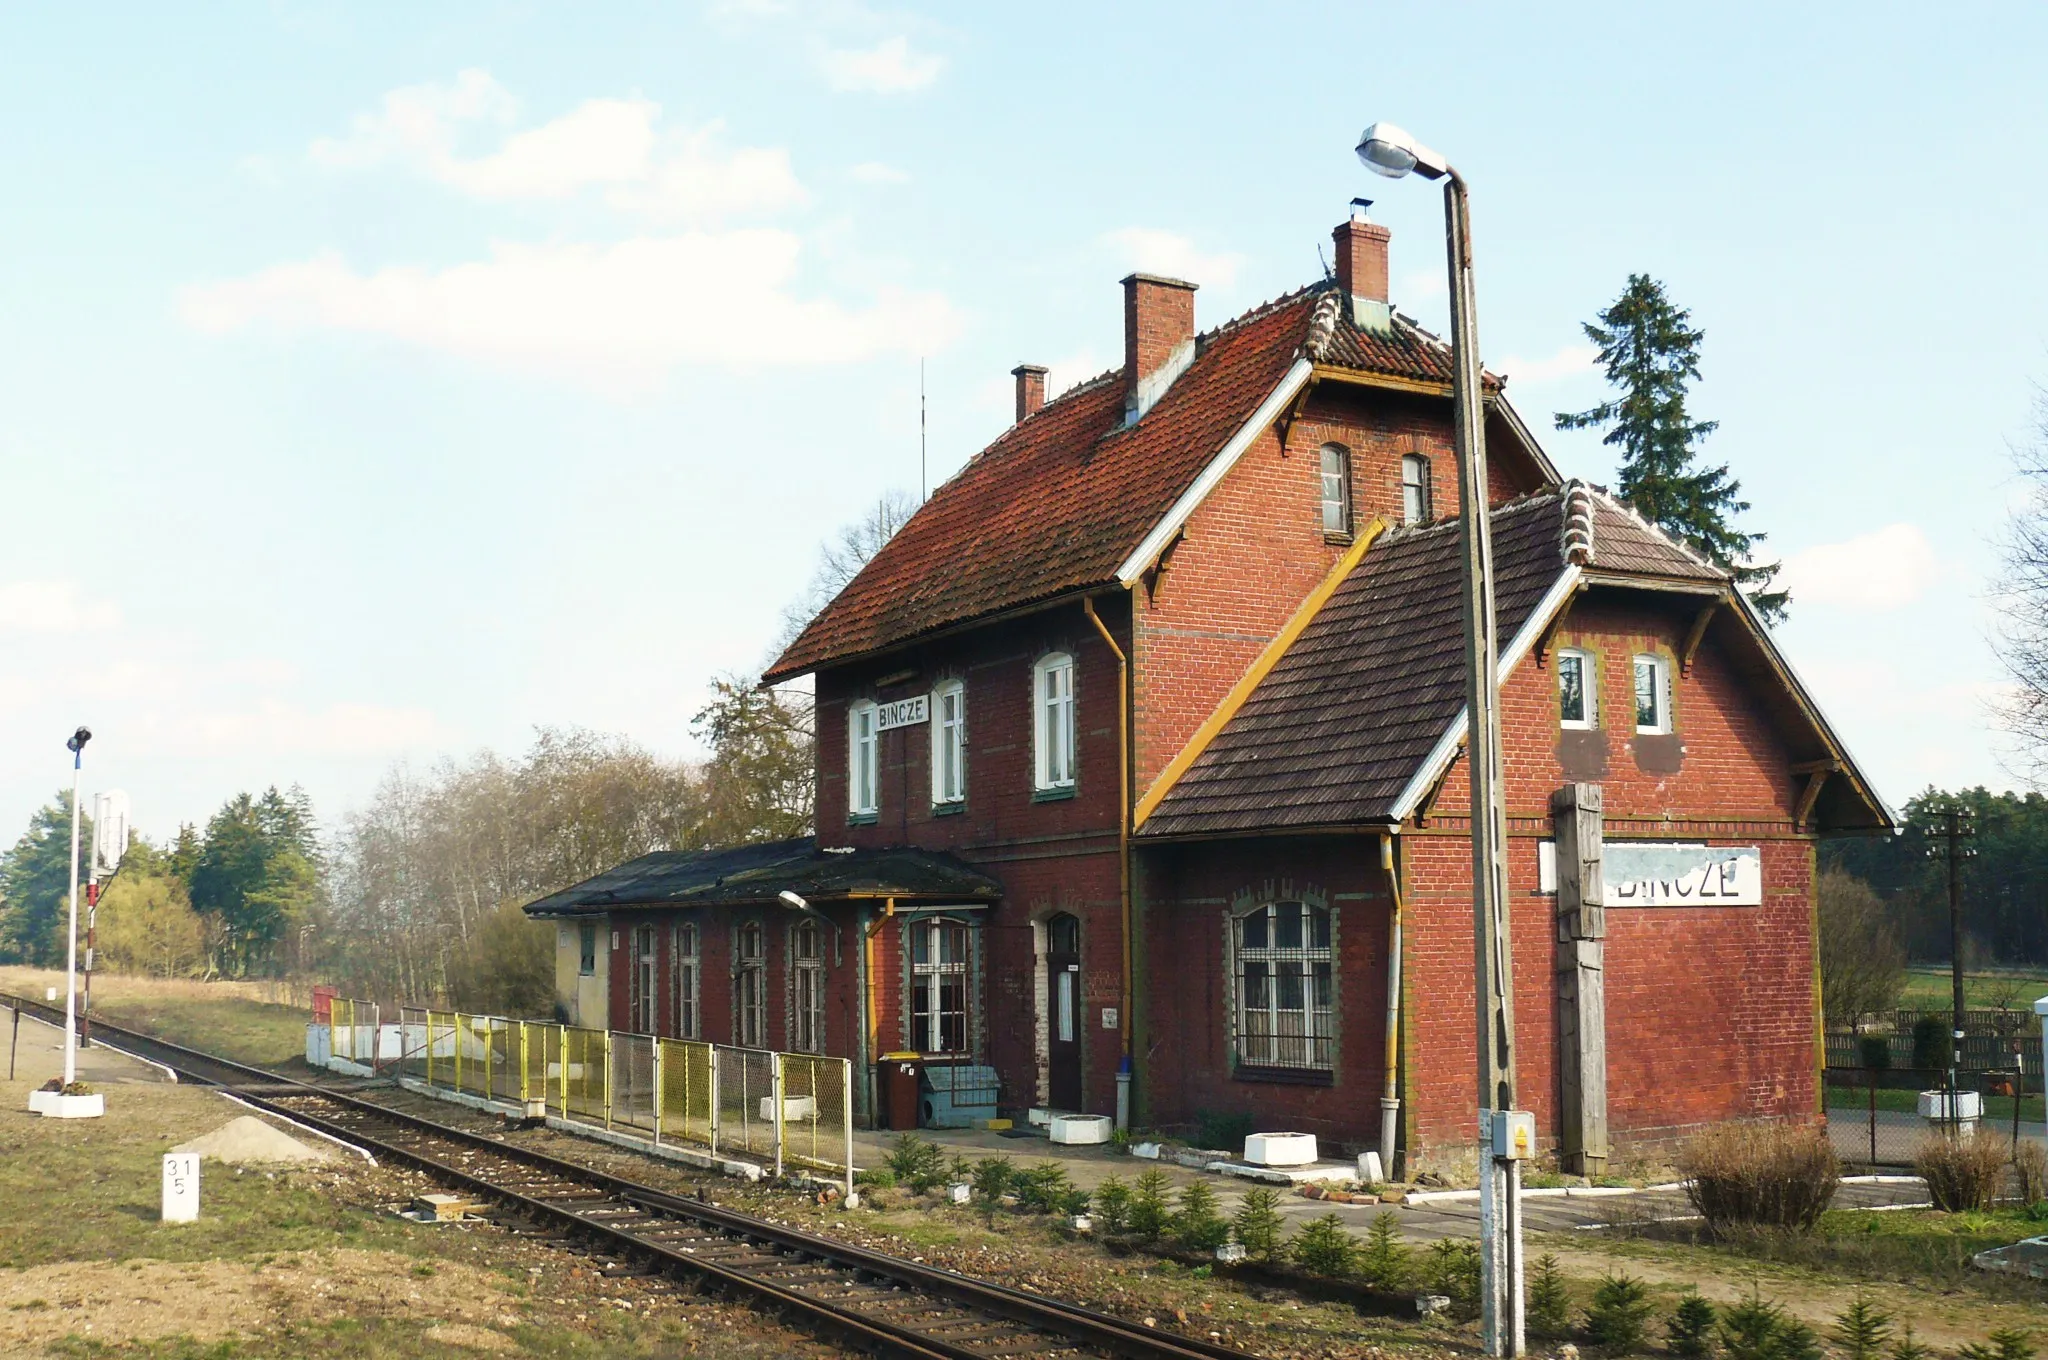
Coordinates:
[873,1301]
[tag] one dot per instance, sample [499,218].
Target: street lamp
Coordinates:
[1386,149]
[76,745]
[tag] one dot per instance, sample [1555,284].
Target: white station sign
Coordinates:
[904,713]
[1649,874]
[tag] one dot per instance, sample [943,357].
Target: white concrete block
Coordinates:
[1934,1105]
[960,1194]
[795,1109]
[1081,1128]
[1280,1149]
[1149,1151]
[1038,1118]
[1369,1169]
[181,1187]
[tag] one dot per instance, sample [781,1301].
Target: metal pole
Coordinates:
[15,1042]
[1500,1181]
[1954,836]
[846,1120]
[71,964]
[660,1095]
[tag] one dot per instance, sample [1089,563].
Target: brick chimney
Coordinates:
[1030,388]
[1159,339]
[1362,270]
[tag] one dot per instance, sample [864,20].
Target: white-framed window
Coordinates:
[1578,690]
[1415,506]
[750,984]
[1653,694]
[949,743]
[938,985]
[807,986]
[1053,725]
[586,948]
[687,965]
[643,991]
[1336,489]
[863,740]
[1285,1010]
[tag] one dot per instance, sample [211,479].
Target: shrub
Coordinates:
[2007,1343]
[917,1162]
[1774,1175]
[1620,1314]
[1961,1173]
[1322,1247]
[1043,1188]
[1909,1348]
[1750,1330]
[1452,1270]
[1257,1223]
[2030,1164]
[876,1178]
[1075,1202]
[1383,1261]
[1216,1129]
[1861,1330]
[1149,1213]
[1875,1050]
[1691,1328]
[1196,1224]
[1931,1041]
[1112,1207]
[1796,1341]
[993,1177]
[1549,1306]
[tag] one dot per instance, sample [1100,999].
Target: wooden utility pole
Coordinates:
[1576,813]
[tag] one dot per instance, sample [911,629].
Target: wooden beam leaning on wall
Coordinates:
[1581,979]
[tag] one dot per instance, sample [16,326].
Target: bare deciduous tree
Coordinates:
[841,559]
[2022,596]
[1862,963]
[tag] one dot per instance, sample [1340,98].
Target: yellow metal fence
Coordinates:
[782,1108]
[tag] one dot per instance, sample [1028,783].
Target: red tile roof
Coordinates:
[1060,499]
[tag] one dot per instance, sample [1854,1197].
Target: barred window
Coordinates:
[643,989]
[750,985]
[1284,1011]
[807,986]
[938,986]
[687,979]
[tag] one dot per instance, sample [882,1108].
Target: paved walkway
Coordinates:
[38,1055]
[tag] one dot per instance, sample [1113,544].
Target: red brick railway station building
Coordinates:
[1140,777]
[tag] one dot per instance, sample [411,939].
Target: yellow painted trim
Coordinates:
[1269,658]
[1360,378]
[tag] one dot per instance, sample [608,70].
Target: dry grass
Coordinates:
[1962,1174]
[2030,1164]
[1760,1175]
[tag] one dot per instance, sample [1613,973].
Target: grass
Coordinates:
[233,1019]
[1928,988]
[1997,1109]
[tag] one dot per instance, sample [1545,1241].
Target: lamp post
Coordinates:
[76,745]
[1505,1136]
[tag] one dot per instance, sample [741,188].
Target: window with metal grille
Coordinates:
[1053,685]
[949,743]
[939,957]
[1336,489]
[807,987]
[643,989]
[1415,506]
[863,734]
[750,985]
[687,979]
[1285,1006]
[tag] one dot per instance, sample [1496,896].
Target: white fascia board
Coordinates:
[1163,532]
[1524,642]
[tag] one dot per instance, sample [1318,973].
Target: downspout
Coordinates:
[874,1006]
[1390,1095]
[1123,853]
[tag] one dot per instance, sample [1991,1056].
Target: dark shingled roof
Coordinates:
[1344,720]
[755,874]
[1061,498]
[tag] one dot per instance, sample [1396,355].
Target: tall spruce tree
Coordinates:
[1651,353]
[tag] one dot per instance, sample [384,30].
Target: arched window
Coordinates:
[949,743]
[1336,489]
[1415,506]
[863,739]
[1053,720]
[1285,999]
[688,980]
[807,986]
[750,984]
[939,969]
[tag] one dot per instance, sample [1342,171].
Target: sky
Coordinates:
[381,382]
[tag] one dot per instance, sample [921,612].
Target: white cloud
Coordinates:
[617,144]
[889,67]
[1880,570]
[616,317]
[274,726]
[1165,252]
[1568,362]
[875,172]
[1422,285]
[53,607]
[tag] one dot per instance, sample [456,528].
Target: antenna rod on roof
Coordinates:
[923,480]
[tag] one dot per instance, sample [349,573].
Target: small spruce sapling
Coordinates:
[1550,1302]
[1112,1207]
[1620,1314]
[1452,1270]
[1196,1224]
[1322,1247]
[1383,1261]
[1257,1223]
[2007,1343]
[1797,1341]
[1749,1329]
[1908,1346]
[993,1177]
[1690,1331]
[1149,1212]
[1861,1330]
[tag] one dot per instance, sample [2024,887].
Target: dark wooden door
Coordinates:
[1063,1004]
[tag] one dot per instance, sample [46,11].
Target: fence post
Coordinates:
[490,1037]
[525,1068]
[775,1081]
[660,1096]
[846,1119]
[607,1080]
[1872,1074]
[455,1023]
[430,1045]
[711,1081]
[562,1062]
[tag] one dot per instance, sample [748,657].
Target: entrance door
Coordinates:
[1063,997]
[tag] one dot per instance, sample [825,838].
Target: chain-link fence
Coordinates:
[816,1109]
[1879,1116]
[686,1092]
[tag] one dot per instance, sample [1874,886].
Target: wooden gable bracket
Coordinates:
[1694,636]
[1541,652]
[1293,413]
[1150,576]
[1428,805]
[1816,772]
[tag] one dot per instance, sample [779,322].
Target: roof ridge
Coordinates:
[1659,530]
